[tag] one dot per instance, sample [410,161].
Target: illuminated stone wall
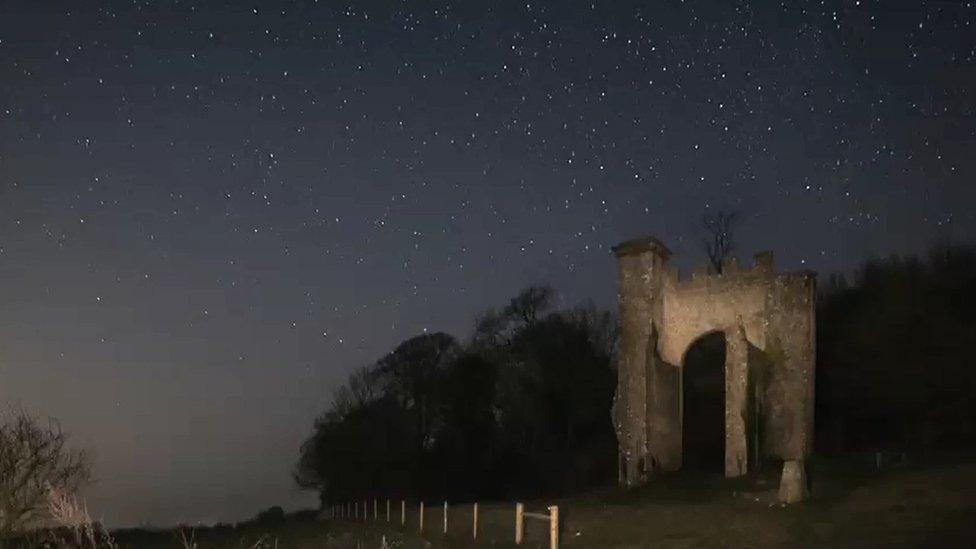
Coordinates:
[768,322]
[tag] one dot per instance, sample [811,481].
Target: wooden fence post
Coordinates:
[403,512]
[376,512]
[421,517]
[365,511]
[355,510]
[474,526]
[554,527]
[387,509]
[519,523]
[445,517]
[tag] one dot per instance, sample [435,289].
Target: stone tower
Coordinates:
[642,265]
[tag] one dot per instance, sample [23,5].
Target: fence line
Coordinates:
[342,511]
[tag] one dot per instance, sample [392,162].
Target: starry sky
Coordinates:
[211,212]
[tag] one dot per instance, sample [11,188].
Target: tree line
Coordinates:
[895,357]
[523,406]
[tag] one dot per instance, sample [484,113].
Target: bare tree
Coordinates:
[34,461]
[495,327]
[529,303]
[719,239]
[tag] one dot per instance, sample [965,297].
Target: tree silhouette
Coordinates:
[412,373]
[524,407]
[719,239]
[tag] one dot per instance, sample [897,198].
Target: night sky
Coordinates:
[211,212]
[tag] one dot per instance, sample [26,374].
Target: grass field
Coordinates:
[853,505]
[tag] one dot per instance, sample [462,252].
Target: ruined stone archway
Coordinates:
[768,320]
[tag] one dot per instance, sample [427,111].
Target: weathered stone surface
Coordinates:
[664,415]
[793,484]
[639,307]
[768,321]
[736,399]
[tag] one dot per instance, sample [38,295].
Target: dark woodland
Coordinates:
[527,394]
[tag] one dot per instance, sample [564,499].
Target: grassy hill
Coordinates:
[853,505]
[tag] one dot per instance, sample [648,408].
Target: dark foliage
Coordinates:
[895,366]
[271,515]
[522,408]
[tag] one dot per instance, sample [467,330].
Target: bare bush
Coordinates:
[187,542]
[35,461]
[70,515]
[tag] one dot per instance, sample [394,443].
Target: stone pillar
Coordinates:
[793,484]
[790,338]
[736,401]
[641,266]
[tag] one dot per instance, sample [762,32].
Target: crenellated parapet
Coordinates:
[733,272]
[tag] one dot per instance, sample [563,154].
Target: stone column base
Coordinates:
[793,484]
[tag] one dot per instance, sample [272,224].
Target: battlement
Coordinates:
[763,266]
[733,271]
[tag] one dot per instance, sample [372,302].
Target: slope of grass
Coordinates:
[852,506]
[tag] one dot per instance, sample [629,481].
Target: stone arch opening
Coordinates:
[703,404]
